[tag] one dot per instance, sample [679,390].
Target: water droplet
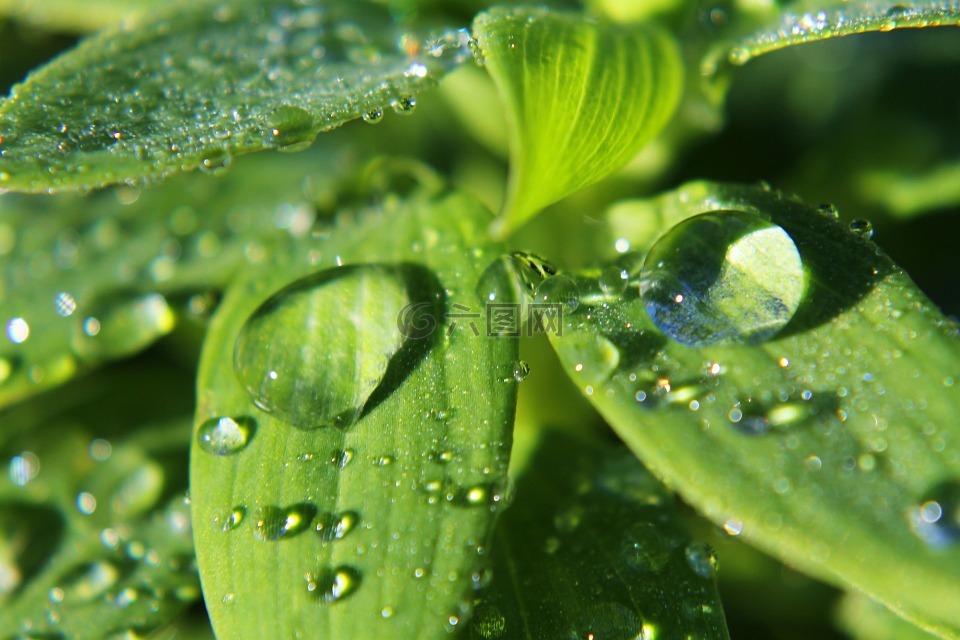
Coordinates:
[122,324]
[613,282]
[341,333]
[24,468]
[231,520]
[559,289]
[936,520]
[646,548]
[733,527]
[746,421]
[18,330]
[404,105]
[290,129]
[702,559]
[275,523]
[725,276]
[500,282]
[65,304]
[216,163]
[829,209]
[332,585]
[336,526]
[862,227]
[374,116]
[225,436]
[608,621]
[341,458]
[520,371]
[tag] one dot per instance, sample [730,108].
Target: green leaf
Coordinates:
[195,87]
[865,619]
[593,544]
[132,259]
[822,444]
[411,487]
[75,16]
[811,21]
[95,534]
[581,98]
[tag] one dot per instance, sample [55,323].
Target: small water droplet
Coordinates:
[733,527]
[336,526]
[323,375]
[18,330]
[646,548]
[273,523]
[702,559]
[829,209]
[559,289]
[746,421]
[374,116]
[332,585]
[24,468]
[290,129]
[225,436]
[216,163]
[936,520]
[341,458]
[613,282]
[862,228]
[231,520]
[404,105]
[520,371]
[722,277]
[65,304]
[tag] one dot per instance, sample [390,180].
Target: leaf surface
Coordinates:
[825,445]
[196,86]
[374,528]
[581,98]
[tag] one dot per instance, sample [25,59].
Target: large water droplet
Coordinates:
[336,526]
[936,520]
[225,436]
[289,129]
[559,289]
[725,276]
[862,227]
[314,352]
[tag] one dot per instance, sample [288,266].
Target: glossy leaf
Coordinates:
[814,21]
[95,535]
[826,445]
[593,544]
[372,528]
[75,16]
[197,86]
[581,98]
[132,260]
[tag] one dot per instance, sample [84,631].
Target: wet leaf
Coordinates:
[581,98]
[375,525]
[95,533]
[593,544]
[830,444]
[195,87]
[133,261]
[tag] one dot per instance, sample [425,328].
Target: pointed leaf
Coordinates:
[828,445]
[593,544]
[366,529]
[197,86]
[582,98]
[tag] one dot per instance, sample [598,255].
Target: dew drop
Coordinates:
[374,116]
[520,371]
[722,277]
[336,526]
[862,228]
[216,163]
[499,282]
[646,548]
[224,436]
[314,352]
[122,324]
[233,519]
[332,585]
[613,282]
[404,105]
[559,289]
[273,523]
[289,129]
[702,559]
[936,520]
[65,304]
